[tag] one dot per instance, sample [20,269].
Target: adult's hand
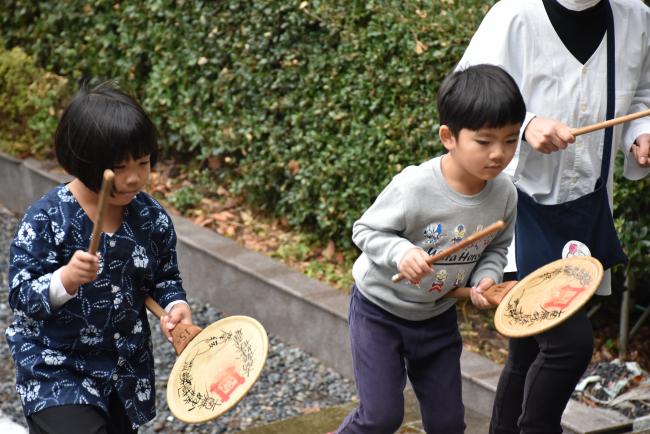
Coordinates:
[641,150]
[548,135]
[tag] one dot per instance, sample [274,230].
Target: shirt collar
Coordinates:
[578,5]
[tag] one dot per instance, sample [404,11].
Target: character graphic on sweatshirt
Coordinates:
[477,244]
[441,276]
[459,234]
[459,279]
[433,234]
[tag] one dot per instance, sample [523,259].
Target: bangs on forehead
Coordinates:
[132,136]
[123,130]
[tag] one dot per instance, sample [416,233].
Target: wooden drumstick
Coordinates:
[496,226]
[182,334]
[104,192]
[609,123]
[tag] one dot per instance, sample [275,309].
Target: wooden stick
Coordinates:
[496,226]
[609,123]
[182,334]
[104,192]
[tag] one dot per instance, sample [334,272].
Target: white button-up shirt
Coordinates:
[518,36]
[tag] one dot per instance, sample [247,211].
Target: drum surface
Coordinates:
[216,369]
[548,296]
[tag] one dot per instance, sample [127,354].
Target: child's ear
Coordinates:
[447,137]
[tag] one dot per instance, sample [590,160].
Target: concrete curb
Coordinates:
[301,310]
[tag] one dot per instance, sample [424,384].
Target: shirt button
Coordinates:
[111,243]
[583,107]
[114,377]
[116,336]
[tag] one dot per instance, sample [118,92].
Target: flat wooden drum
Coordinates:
[548,296]
[217,368]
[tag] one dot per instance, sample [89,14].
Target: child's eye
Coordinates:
[482,142]
[144,163]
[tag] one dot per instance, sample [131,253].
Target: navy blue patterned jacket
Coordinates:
[98,341]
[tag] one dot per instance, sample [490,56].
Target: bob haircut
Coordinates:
[101,127]
[480,96]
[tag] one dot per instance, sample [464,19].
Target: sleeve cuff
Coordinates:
[401,250]
[497,277]
[171,304]
[58,295]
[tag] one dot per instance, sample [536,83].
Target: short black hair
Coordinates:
[480,96]
[101,127]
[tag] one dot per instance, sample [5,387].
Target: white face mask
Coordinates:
[578,5]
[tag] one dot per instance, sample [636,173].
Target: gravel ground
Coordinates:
[291,383]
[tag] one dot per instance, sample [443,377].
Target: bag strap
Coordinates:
[611,93]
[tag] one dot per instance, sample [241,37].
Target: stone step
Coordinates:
[328,419]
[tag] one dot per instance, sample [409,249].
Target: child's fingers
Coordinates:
[164,326]
[419,267]
[181,313]
[479,301]
[86,257]
[477,297]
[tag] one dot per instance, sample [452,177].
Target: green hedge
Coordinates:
[31,100]
[306,108]
[310,106]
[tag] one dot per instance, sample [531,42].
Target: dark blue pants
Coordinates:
[385,349]
[539,377]
[82,419]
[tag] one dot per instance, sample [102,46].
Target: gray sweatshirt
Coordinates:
[419,209]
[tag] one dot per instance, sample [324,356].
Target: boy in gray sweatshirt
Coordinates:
[409,328]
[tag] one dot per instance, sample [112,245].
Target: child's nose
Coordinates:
[133,178]
[497,152]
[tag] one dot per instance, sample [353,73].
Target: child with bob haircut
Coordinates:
[80,335]
[409,328]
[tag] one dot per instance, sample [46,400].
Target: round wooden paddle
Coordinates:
[216,366]
[496,226]
[548,296]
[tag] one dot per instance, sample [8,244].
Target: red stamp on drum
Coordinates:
[226,383]
[563,297]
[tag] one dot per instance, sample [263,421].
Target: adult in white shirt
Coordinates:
[569,65]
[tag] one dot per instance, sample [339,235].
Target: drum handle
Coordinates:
[496,226]
[154,307]
[609,123]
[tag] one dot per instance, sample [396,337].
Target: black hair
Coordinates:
[480,96]
[101,127]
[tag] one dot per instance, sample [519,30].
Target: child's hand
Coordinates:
[476,293]
[82,268]
[413,265]
[180,312]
